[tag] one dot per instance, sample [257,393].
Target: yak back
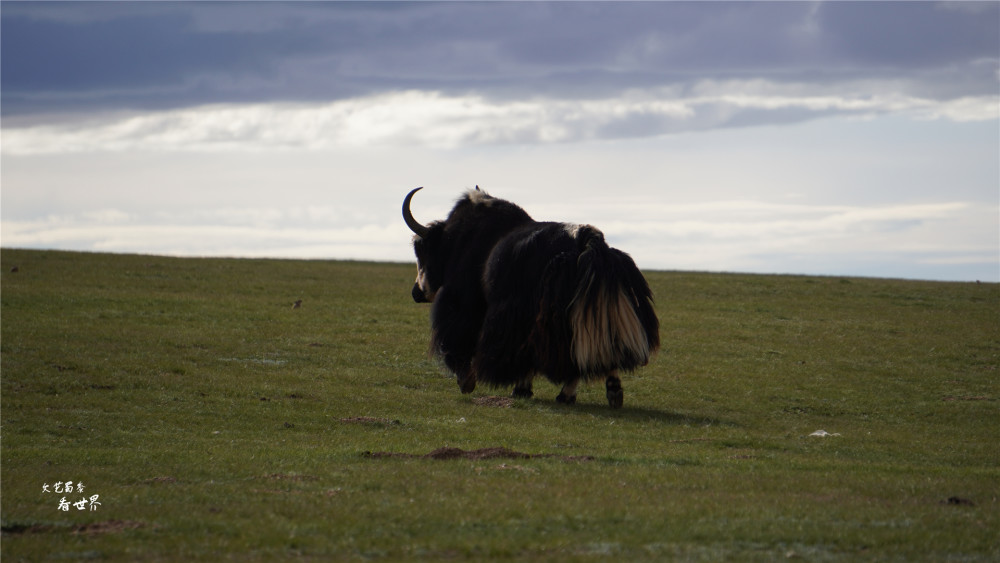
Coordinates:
[471,231]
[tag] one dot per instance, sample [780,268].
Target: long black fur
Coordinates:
[509,289]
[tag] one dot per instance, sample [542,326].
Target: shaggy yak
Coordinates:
[513,297]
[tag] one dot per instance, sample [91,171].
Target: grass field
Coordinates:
[214,421]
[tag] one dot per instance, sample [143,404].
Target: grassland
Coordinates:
[217,422]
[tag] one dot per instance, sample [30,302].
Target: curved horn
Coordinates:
[417,228]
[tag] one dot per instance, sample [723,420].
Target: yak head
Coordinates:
[425,241]
[455,250]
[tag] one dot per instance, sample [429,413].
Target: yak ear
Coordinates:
[477,187]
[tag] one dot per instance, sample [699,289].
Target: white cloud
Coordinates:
[176,236]
[742,220]
[432,119]
[962,109]
[725,235]
[889,196]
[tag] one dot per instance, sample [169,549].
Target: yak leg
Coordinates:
[522,389]
[463,370]
[567,395]
[615,394]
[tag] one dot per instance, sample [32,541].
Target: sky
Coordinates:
[839,139]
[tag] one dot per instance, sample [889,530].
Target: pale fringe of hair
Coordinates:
[606,331]
[479,197]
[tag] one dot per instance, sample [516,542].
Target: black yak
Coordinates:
[513,297]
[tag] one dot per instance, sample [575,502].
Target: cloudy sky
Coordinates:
[819,138]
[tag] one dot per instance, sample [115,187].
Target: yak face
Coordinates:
[421,293]
[424,288]
[431,243]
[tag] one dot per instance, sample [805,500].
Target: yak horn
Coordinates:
[417,228]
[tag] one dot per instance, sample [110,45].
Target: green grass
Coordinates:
[209,417]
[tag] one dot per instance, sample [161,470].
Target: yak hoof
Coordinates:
[616,399]
[522,393]
[566,400]
[467,384]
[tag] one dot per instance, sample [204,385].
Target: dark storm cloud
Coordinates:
[58,57]
[135,57]
[911,35]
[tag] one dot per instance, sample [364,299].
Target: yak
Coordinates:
[512,297]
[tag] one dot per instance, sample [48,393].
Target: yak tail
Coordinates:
[613,322]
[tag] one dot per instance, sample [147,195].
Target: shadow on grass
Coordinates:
[631,413]
[640,414]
